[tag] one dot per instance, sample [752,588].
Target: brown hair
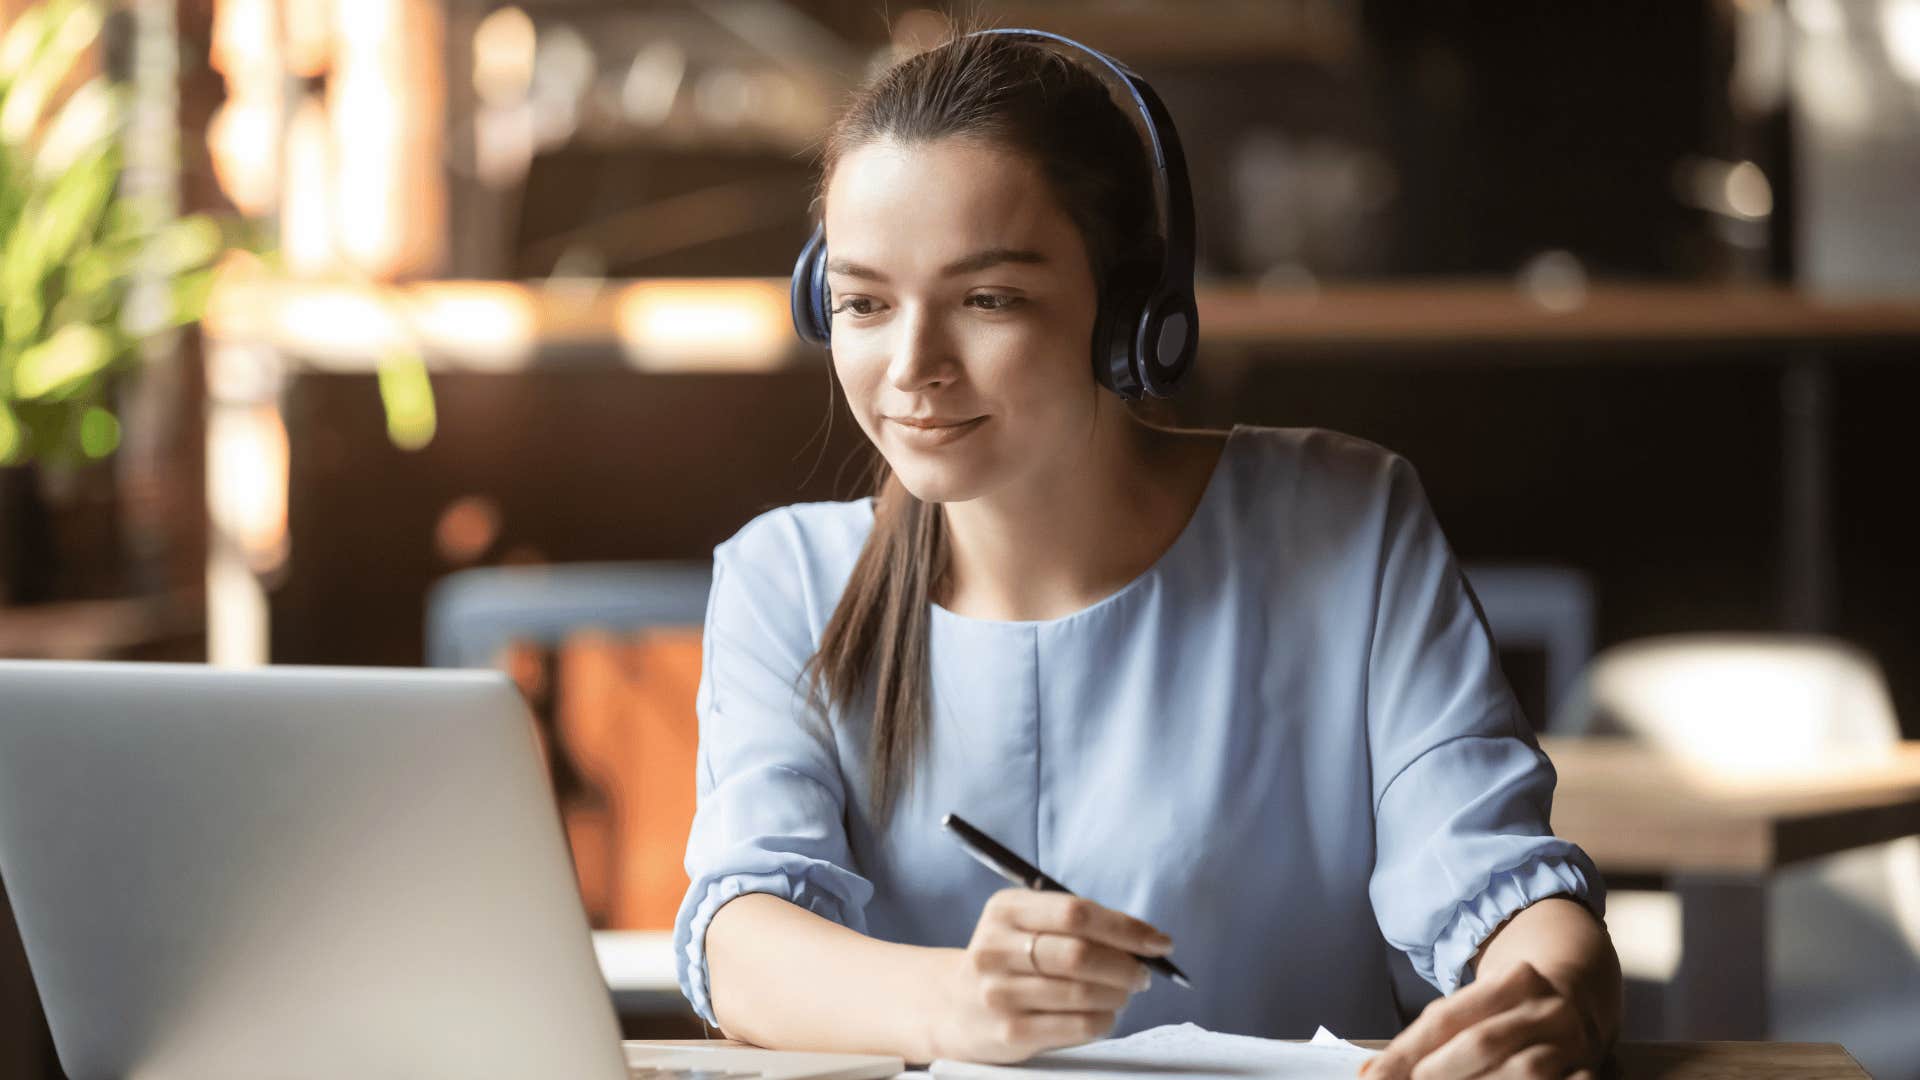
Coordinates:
[1050,108]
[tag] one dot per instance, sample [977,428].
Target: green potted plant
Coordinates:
[88,270]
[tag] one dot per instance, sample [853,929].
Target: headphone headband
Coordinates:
[1176,193]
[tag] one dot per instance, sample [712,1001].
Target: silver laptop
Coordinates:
[297,872]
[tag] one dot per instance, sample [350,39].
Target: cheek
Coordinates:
[859,370]
[1044,358]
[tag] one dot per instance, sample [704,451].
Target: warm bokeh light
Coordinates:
[1747,192]
[1900,26]
[386,108]
[364,189]
[247,461]
[487,323]
[1757,711]
[307,217]
[503,47]
[466,529]
[729,324]
[242,136]
[309,34]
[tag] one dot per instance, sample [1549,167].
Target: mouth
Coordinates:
[933,425]
[927,434]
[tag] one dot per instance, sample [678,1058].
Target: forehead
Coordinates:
[904,207]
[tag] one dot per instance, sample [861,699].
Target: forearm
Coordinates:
[1567,945]
[852,993]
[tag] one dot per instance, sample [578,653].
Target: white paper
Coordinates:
[1183,1050]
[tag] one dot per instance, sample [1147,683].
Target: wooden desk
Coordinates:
[1722,1060]
[1677,1060]
[1716,838]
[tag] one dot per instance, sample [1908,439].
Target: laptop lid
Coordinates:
[294,872]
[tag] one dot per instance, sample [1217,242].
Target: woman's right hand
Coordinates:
[1044,970]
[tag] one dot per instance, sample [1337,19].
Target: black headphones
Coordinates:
[1146,333]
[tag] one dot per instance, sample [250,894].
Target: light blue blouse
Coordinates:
[1287,744]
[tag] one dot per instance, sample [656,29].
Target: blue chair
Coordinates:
[473,614]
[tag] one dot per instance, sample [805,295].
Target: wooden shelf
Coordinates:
[1467,313]
[741,324]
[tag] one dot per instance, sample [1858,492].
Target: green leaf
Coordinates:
[99,433]
[25,310]
[185,244]
[408,398]
[53,226]
[73,354]
[91,118]
[190,292]
[13,438]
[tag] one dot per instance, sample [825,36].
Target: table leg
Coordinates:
[1720,989]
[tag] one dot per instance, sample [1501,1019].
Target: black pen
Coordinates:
[1017,870]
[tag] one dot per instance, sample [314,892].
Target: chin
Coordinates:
[936,485]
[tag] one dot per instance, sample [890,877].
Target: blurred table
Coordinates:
[638,968]
[1716,837]
[1662,1060]
[118,628]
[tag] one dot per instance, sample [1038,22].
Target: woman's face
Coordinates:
[962,296]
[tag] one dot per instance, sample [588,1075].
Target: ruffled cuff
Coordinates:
[800,888]
[1506,893]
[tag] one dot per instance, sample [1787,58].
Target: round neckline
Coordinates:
[1200,510]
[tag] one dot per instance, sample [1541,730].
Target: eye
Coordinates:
[995,301]
[860,306]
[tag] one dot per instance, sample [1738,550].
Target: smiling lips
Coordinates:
[932,431]
[932,421]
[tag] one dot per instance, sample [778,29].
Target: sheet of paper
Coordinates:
[1183,1050]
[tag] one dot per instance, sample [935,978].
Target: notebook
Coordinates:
[1184,1050]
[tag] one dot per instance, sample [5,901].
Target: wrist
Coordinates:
[1594,999]
[928,1039]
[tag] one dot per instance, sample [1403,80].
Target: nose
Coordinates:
[922,355]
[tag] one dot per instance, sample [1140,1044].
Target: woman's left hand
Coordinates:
[1515,1024]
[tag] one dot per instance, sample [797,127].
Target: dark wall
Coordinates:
[583,465]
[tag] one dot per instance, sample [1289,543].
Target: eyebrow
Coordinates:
[979,260]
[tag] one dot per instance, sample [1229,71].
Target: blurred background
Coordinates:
[447,331]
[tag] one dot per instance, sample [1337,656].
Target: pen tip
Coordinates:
[1182,980]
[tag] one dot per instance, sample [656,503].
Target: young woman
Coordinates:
[1227,686]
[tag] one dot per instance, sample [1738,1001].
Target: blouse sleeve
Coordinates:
[1462,793]
[769,798]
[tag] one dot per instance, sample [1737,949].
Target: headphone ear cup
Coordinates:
[807,294]
[1169,331]
[1116,361]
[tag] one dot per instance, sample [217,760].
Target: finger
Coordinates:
[1038,993]
[1482,1047]
[1076,916]
[1060,957]
[1007,952]
[1447,1017]
[1546,1061]
[1034,1032]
